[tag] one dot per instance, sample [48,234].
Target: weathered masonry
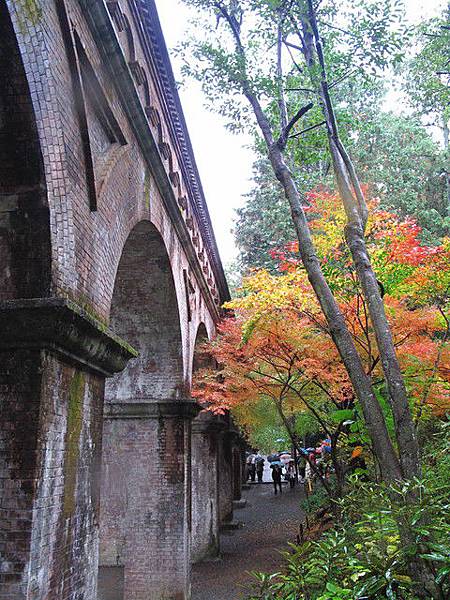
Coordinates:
[109,273]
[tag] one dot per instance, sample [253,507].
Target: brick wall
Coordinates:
[145,495]
[144,511]
[75,184]
[24,226]
[51,420]
[20,384]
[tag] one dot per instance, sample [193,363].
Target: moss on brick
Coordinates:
[28,11]
[85,303]
[74,426]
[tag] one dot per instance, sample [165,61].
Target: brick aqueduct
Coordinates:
[109,277]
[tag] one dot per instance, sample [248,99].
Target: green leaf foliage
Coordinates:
[363,555]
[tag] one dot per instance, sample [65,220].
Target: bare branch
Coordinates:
[281,99]
[297,66]
[282,140]
[338,28]
[234,25]
[294,135]
[340,79]
[301,90]
[291,45]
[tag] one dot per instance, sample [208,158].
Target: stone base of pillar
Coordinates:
[225,462]
[53,361]
[205,486]
[145,497]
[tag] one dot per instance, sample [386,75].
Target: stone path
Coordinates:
[269,522]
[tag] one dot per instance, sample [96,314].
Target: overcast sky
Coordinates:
[224,163]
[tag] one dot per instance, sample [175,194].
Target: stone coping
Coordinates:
[152,408]
[64,328]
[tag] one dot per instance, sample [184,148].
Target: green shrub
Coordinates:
[315,501]
[363,556]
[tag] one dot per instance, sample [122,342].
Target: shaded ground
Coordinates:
[269,523]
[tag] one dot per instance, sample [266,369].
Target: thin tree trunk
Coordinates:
[294,441]
[356,211]
[340,334]
[446,147]
[337,464]
[373,415]
[404,424]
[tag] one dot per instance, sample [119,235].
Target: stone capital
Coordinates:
[208,422]
[64,328]
[153,409]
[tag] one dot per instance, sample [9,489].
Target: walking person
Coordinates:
[252,466]
[276,476]
[248,466]
[259,461]
[290,474]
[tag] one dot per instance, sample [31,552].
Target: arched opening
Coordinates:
[202,358]
[24,218]
[144,492]
[144,312]
[24,273]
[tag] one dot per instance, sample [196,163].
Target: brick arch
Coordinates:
[144,312]
[201,359]
[55,360]
[146,428]
[24,217]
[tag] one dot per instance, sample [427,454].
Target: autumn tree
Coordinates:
[279,347]
[232,65]
[247,58]
[397,159]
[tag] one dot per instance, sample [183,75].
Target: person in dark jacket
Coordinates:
[259,462]
[251,467]
[276,476]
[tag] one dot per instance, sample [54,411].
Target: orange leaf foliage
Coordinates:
[278,342]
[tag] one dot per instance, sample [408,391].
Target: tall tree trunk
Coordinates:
[342,338]
[373,415]
[356,211]
[446,147]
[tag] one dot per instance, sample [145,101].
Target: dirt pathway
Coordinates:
[269,522]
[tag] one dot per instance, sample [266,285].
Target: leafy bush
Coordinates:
[317,500]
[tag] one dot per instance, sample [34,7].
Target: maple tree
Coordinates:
[278,344]
[243,59]
[231,66]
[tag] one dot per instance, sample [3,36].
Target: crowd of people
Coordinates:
[302,468]
[282,465]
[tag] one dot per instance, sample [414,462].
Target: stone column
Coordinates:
[146,497]
[238,450]
[205,486]
[237,469]
[225,462]
[53,362]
